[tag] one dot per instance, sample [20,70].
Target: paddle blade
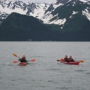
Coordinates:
[15,55]
[81,61]
[58,60]
[15,61]
[62,59]
[33,60]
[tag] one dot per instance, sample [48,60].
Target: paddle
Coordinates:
[15,55]
[81,61]
[15,61]
[62,59]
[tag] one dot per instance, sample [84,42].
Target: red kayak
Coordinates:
[23,63]
[70,63]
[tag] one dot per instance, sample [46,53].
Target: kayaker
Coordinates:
[23,59]
[71,59]
[66,58]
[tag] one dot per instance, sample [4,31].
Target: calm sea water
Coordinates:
[46,73]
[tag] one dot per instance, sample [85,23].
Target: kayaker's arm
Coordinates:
[19,59]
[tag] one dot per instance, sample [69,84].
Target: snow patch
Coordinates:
[39,12]
[73,13]
[49,16]
[55,5]
[83,1]
[58,21]
[86,13]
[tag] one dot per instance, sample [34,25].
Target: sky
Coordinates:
[39,1]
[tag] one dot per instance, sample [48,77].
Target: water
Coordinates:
[46,73]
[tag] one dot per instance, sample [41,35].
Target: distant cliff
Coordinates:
[17,27]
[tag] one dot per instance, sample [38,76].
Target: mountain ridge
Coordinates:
[42,11]
[16,28]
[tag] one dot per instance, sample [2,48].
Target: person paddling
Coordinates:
[23,59]
[66,58]
[71,59]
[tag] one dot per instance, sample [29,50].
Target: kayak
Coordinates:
[23,63]
[70,63]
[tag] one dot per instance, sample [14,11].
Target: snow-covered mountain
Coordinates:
[53,16]
[55,13]
[34,9]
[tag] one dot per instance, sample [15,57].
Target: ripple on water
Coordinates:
[79,70]
[88,73]
[62,88]
[50,81]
